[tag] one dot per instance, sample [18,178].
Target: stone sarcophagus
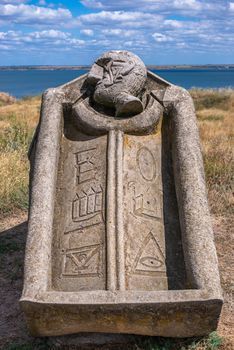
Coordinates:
[120,238]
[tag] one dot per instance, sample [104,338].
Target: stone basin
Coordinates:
[119,238]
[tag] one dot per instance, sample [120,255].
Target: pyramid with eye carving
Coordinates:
[150,259]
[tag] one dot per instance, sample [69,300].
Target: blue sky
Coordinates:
[73,32]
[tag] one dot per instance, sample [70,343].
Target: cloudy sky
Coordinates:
[76,32]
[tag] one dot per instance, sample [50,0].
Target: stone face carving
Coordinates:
[123,230]
[119,78]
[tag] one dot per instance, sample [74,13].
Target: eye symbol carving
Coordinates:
[149,261]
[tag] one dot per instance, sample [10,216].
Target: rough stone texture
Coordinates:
[120,239]
[119,78]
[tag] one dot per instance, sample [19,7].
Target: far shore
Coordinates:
[83,67]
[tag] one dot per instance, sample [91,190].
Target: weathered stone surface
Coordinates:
[119,78]
[120,238]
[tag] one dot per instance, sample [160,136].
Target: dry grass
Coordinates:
[215,112]
[6,99]
[17,122]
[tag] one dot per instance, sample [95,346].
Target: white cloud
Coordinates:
[139,25]
[39,40]
[13,1]
[124,18]
[192,4]
[93,4]
[52,34]
[161,38]
[4,47]
[76,42]
[88,32]
[231,6]
[116,16]
[30,14]
[173,23]
[119,32]
[161,6]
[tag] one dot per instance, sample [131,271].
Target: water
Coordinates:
[34,82]
[199,78]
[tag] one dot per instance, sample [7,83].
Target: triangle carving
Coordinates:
[83,261]
[150,259]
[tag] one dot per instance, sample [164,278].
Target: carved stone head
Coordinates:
[119,78]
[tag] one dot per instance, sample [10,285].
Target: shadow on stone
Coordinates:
[174,252]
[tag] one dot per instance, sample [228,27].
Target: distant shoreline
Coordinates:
[156,67]
[21,82]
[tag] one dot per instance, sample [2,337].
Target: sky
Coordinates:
[72,32]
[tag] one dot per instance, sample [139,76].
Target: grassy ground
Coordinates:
[215,112]
[17,123]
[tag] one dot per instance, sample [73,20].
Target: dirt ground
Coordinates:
[12,244]
[224,240]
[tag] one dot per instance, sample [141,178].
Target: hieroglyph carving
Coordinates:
[146,164]
[150,259]
[145,204]
[87,206]
[82,243]
[86,168]
[82,261]
[87,203]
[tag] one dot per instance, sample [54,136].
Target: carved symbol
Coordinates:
[82,261]
[114,71]
[86,165]
[145,204]
[87,207]
[146,164]
[150,259]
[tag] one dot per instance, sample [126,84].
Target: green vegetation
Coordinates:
[211,342]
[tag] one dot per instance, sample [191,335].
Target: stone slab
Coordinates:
[120,239]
